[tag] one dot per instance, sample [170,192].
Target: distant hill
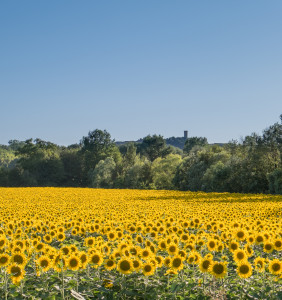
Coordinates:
[173,141]
[178,142]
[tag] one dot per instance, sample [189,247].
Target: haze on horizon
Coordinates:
[213,68]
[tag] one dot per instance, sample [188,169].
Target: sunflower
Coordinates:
[239,255]
[107,283]
[259,239]
[4,260]
[112,235]
[59,262]
[184,237]
[220,246]
[137,264]
[61,236]
[146,253]
[133,250]
[211,244]
[172,249]
[125,266]
[19,259]
[233,246]
[176,263]
[16,249]
[249,250]
[240,235]
[259,263]
[268,247]
[73,263]
[148,269]
[190,246]
[39,247]
[194,257]
[65,250]
[73,248]
[139,239]
[205,264]
[89,242]
[44,262]
[96,259]
[250,239]
[110,264]
[275,267]
[83,259]
[48,238]
[17,273]
[20,244]
[159,260]
[167,261]
[171,272]
[244,269]
[277,244]
[218,269]
[162,244]
[191,258]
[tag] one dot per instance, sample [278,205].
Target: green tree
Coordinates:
[153,147]
[190,173]
[97,146]
[7,158]
[163,171]
[72,163]
[275,181]
[194,141]
[102,175]
[40,163]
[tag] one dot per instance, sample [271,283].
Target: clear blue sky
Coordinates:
[139,67]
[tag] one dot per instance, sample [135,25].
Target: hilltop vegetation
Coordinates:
[253,165]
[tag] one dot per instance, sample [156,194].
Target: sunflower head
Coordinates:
[125,266]
[218,269]
[244,269]
[148,269]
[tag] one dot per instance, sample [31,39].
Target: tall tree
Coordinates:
[154,147]
[97,146]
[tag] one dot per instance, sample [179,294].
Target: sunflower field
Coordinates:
[71,243]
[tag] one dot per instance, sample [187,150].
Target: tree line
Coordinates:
[253,165]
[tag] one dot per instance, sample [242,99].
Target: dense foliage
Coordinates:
[72,243]
[253,165]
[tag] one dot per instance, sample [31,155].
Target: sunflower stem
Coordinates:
[77,280]
[6,285]
[63,284]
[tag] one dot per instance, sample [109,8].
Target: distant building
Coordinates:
[186,134]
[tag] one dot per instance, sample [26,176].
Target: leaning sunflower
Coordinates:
[259,263]
[17,273]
